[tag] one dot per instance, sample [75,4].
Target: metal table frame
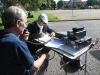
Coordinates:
[61,53]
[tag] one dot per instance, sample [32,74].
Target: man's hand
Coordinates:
[52,34]
[24,36]
[42,34]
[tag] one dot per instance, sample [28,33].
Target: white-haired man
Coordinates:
[15,57]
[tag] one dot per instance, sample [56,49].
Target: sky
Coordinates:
[67,0]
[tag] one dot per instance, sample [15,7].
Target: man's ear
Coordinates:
[18,23]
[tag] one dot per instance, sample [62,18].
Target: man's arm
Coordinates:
[38,63]
[33,31]
[50,31]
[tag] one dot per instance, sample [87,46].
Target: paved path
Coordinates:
[75,14]
[93,63]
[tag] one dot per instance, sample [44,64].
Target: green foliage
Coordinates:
[31,4]
[53,4]
[28,4]
[1,26]
[82,7]
[50,4]
[89,2]
[93,2]
[60,4]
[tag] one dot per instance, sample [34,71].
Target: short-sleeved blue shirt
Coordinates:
[15,58]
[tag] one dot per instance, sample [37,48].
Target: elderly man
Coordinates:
[38,29]
[15,58]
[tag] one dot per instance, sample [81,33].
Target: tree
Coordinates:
[49,4]
[93,2]
[53,4]
[29,4]
[45,5]
[89,2]
[60,4]
[98,2]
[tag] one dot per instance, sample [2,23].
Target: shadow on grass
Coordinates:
[96,54]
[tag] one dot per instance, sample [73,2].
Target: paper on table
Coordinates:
[58,44]
[45,38]
[55,43]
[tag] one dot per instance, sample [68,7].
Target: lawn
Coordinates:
[35,17]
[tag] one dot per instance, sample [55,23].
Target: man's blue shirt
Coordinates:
[15,58]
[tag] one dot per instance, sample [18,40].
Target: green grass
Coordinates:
[52,18]
[35,14]
[1,26]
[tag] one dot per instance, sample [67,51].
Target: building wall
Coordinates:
[74,3]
